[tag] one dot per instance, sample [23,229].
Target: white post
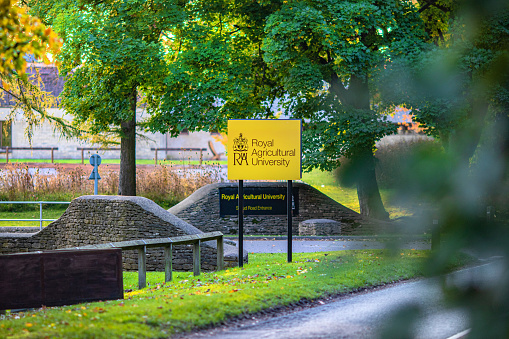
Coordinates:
[40,215]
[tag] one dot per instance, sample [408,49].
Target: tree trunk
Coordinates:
[370,202]
[127,174]
[466,138]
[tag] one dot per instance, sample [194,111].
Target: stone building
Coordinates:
[12,133]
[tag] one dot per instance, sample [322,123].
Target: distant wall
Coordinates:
[103,219]
[201,209]
[45,135]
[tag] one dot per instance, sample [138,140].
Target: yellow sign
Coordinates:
[264,149]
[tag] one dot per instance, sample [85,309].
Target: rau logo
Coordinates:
[240,150]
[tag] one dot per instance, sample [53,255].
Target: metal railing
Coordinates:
[167,243]
[40,210]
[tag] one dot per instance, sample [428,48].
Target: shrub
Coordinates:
[392,160]
[391,163]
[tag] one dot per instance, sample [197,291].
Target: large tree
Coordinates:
[114,59]
[315,57]
[450,79]
[326,53]
[217,70]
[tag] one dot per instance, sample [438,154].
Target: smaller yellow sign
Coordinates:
[264,149]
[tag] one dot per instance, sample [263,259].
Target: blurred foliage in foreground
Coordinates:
[460,89]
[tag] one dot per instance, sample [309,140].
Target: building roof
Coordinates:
[53,83]
[400,115]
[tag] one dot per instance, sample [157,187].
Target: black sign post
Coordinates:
[241,223]
[289,199]
[265,149]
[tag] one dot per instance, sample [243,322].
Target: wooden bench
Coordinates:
[167,244]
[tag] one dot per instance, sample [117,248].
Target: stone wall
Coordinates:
[102,219]
[201,209]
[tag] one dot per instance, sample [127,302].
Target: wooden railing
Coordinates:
[183,149]
[83,149]
[8,148]
[167,244]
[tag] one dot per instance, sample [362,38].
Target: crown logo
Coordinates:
[240,144]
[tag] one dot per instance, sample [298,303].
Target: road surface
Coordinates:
[365,315]
[305,246]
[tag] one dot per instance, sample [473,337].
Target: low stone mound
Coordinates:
[202,209]
[101,219]
[319,227]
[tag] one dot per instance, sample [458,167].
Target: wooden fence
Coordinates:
[8,148]
[201,150]
[83,149]
[166,243]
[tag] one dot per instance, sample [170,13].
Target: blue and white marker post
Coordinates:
[95,160]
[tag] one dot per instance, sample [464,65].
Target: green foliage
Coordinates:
[236,57]
[217,71]
[114,54]
[470,197]
[393,162]
[20,36]
[326,52]
[192,302]
[454,78]
[309,41]
[111,49]
[338,133]
[315,59]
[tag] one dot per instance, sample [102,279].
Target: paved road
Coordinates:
[364,315]
[301,246]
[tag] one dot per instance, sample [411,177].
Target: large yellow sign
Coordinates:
[264,149]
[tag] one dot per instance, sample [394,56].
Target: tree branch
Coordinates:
[434,4]
[337,87]
[441,35]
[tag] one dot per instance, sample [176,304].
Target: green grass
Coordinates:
[191,302]
[326,183]
[117,161]
[52,213]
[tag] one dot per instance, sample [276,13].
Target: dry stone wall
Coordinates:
[102,219]
[201,209]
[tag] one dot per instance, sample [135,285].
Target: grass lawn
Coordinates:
[326,183]
[189,302]
[53,213]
